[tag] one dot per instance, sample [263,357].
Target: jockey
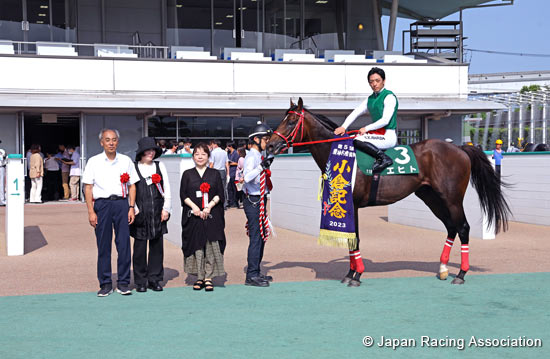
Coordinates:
[380,134]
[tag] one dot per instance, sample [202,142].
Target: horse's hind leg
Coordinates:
[438,207]
[464,234]
[355,261]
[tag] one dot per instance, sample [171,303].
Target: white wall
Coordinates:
[175,166]
[529,195]
[73,75]
[294,202]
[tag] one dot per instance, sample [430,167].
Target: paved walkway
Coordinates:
[61,252]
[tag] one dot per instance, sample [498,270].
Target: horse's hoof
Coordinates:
[346,280]
[354,283]
[443,275]
[457,281]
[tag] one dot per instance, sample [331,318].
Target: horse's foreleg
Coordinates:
[464,234]
[356,262]
[444,259]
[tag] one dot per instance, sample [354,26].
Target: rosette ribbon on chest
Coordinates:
[156,178]
[124,179]
[204,188]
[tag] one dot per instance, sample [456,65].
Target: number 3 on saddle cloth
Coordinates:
[404,162]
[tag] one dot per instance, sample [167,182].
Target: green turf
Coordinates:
[320,319]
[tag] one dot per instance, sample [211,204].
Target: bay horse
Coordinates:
[444,171]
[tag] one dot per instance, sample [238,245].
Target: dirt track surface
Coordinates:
[61,254]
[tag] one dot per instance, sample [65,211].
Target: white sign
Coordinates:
[15,202]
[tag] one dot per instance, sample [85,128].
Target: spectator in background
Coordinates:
[74,174]
[497,156]
[52,177]
[239,178]
[187,147]
[36,174]
[162,145]
[173,148]
[65,169]
[220,162]
[233,159]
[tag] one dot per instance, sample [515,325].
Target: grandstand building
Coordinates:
[212,68]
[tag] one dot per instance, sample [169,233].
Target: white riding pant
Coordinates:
[383,142]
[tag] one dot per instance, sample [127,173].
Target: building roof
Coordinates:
[429,9]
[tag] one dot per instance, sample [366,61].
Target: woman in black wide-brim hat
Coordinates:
[153,208]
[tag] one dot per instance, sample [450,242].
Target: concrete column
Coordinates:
[544,118]
[532,123]
[486,130]
[377,24]
[391,28]
[520,123]
[510,114]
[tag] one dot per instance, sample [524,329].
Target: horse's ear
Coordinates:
[300,104]
[291,103]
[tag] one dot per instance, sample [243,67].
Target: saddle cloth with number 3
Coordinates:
[404,161]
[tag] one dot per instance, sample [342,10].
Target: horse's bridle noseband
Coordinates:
[299,128]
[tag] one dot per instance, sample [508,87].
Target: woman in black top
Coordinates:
[203,222]
[153,206]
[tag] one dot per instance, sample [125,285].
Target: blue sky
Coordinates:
[523,27]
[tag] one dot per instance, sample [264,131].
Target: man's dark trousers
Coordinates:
[256,245]
[112,214]
[232,192]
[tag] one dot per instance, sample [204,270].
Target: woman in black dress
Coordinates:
[203,222]
[153,208]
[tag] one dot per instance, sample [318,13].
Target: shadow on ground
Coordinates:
[34,239]
[338,268]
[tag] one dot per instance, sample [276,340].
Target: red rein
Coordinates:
[300,128]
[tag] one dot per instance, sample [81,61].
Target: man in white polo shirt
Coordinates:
[110,191]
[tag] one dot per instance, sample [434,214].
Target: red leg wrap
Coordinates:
[446,251]
[465,258]
[359,266]
[351,261]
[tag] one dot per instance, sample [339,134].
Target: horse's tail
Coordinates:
[488,187]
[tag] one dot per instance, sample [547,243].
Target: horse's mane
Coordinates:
[322,119]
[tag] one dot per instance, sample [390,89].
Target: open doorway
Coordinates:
[49,132]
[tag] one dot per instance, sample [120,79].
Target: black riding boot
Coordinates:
[382,160]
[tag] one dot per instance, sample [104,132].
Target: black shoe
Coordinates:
[382,160]
[123,289]
[155,286]
[141,288]
[105,290]
[382,163]
[266,277]
[256,282]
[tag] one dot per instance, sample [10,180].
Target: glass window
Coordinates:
[63,20]
[11,15]
[243,125]
[189,23]
[162,127]
[282,25]
[224,23]
[324,24]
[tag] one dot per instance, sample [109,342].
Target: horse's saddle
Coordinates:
[404,161]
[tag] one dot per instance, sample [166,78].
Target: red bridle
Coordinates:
[300,128]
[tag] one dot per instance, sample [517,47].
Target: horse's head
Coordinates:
[290,130]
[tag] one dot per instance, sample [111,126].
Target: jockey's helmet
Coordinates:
[498,142]
[261,129]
